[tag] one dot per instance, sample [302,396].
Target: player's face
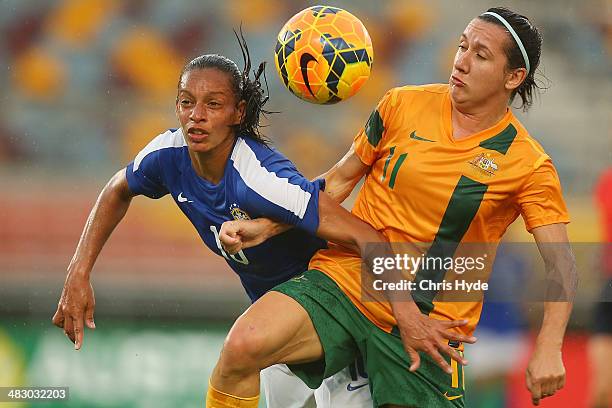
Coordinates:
[479,71]
[207,109]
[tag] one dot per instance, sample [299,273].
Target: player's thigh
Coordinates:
[283,389]
[275,329]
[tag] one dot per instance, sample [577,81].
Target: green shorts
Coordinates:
[345,332]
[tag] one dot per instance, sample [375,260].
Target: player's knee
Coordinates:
[243,349]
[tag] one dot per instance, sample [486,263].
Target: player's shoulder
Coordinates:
[249,149]
[250,154]
[164,143]
[436,89]
[526,146]
[415,93]
[170,138]
[244,142]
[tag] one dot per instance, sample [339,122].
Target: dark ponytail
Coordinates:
[253,94]
[244,88]
[532,41]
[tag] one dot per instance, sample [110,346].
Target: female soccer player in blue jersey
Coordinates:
[217,167]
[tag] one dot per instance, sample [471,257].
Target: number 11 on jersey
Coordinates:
[239,257]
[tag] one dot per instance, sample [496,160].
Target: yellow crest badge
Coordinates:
[485,164]
[237,213]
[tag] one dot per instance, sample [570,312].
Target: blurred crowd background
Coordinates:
[85,84]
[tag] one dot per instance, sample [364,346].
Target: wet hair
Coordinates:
[532,41]
[243,87]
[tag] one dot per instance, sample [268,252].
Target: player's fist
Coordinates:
[230,236]
[545,373]
[241,234]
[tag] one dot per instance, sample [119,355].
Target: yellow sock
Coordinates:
[219,399]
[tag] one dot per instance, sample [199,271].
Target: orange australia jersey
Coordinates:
[426,187]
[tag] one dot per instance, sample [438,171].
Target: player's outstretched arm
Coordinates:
[237,235]
[545,373]
[77,301]
[342,178]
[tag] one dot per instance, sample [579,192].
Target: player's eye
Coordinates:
[462,47]
[214,104]
[185,102]
[480,56]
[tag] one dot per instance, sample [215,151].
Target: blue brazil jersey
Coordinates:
[258,182]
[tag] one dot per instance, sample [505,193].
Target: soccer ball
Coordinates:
[323,55]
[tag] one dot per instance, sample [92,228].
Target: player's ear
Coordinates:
[240,108]
[515,78]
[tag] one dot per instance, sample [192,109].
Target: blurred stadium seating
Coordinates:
[86,84]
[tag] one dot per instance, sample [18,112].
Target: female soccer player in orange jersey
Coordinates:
[444,164]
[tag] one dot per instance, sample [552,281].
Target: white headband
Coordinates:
[516,37]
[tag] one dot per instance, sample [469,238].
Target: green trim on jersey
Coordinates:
[500,142]
[391,152]
[374,128]
[398,164]
[460,212]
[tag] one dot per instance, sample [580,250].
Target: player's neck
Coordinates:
[467,121]
[211,165]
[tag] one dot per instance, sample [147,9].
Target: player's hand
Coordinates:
[419,332]
[76,305]
[545,373]
[241,234]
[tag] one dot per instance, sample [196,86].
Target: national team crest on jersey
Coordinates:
[485,164]
[237,213]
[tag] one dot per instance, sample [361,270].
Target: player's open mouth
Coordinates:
[196,134]
[196,131]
